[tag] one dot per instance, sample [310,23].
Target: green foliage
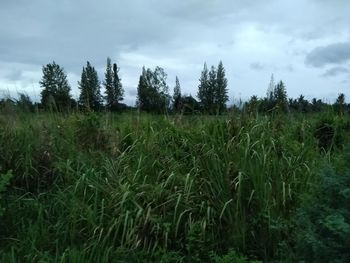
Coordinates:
[221,96]
[89,85]
[112,83]
[177,96]
[212,89]
[330,131]
[56,90]
[340,106]
[153,92]
[231,257]
[4,182]
[89,132]
[142,188]
[25,103]
[324,218]
[280,97]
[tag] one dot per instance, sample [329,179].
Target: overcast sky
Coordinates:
[305,43]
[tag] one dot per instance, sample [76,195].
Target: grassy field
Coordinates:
[142,188]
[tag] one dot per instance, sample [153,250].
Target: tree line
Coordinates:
[277,101]
[153,93]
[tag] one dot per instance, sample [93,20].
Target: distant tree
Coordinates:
[189,105]
[203,89]
[152,91]
[280,97]
[177,96]
[340,105]
[317,105]
[221,96]
[118,87]
[268,103]
[108,84]
[212,89]
[90,90]
[299,105]
[143,101]
[56,90]
[212,94]
[303,104]
[293,105]
[25,103]
[252,106]
[271,88]
[113,86]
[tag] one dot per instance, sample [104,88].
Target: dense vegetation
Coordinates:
[131,187]
[175,180]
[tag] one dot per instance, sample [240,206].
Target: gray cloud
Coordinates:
[335,71]
[177,35]
[257,66]
[337,53]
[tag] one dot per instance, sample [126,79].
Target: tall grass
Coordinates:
[131,188]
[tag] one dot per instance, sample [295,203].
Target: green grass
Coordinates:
[143,188]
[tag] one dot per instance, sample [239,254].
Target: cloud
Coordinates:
[337,53]
[251,38]
[335,71]
[257,66]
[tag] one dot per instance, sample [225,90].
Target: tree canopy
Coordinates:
[152,91]
[56,90]
[212,89]
[113,86]
[90,89]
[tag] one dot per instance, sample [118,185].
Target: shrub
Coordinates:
[324,219]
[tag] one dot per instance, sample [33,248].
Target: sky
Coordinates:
[304,43]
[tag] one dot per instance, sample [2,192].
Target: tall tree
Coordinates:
[271,88]
[212,89]
[203,88]
[113,85]
[117,85]
[108,84]
[221,96]
[152,91]
[56,90]
[177,95]
[90,90]
[212,95]
[280,96]
[340,105]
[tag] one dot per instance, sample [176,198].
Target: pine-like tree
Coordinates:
[280,96]
[112,83]
[90,90]
[142,91]
[177,96]
[56,90]
[221,96]
[340,105]
[212,92]
[108,84]
[117,85]
[271,88]
[203,88]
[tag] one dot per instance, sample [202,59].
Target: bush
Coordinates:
[4,182]
[329,132]
[89,132]
[324,219]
